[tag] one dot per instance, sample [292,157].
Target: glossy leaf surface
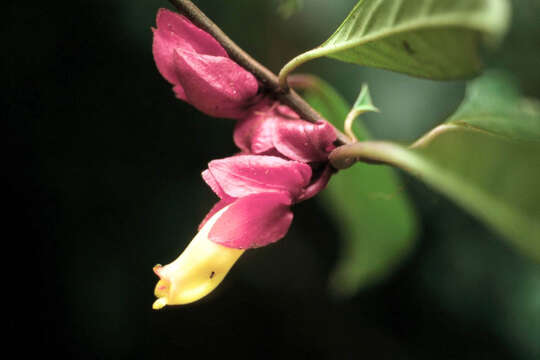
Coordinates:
[436,39]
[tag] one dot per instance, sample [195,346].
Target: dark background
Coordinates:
[103,172]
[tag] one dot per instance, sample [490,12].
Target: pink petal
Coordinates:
[179,92]
[215,85]
[304,141]
[280,128]
[173,25]
[286,112]
[210,180]
[244,175]
[218,206]
[318,183]
[253,221]
[163,47]
[176,32]
[255,133]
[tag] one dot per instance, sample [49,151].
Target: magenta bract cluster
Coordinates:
[200,69]
[283,159]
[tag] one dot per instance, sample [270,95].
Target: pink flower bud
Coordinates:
[274,129]
[200,69]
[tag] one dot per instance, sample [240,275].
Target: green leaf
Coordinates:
[493,103]
[436,39]
[482,167]
[376,223]
[375,219]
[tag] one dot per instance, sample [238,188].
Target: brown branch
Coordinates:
[265,76]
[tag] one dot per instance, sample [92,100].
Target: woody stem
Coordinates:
[265,76]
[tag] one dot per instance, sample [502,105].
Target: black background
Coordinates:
[103,172]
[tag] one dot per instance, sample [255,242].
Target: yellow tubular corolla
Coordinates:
[197,271]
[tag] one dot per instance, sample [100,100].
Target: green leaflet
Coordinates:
[367,203]
[436,39]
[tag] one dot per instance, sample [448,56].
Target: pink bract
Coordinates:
[253,221]
[200,69]
[244,175]
[284,158]
[277,129]
[259,190]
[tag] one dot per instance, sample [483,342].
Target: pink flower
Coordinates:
[200,69]
[256,193]
[284,160]
[259,190]
[275,129]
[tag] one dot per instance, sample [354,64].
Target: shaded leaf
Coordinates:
[436,39]
[376,223]
[375,220]
[492,103]
[487,172]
